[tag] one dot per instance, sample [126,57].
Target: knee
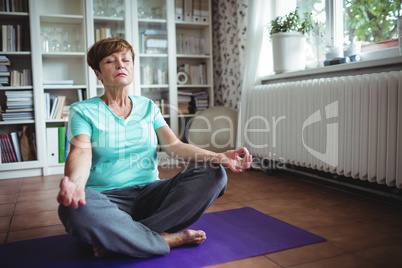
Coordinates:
[68,216]
[65,216]
[216,175]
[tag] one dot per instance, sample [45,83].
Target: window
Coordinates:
[373,23]
[369,23]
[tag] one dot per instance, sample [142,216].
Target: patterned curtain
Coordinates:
[229,21]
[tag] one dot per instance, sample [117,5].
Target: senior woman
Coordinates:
[110,196]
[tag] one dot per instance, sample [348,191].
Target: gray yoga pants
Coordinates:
[129,220]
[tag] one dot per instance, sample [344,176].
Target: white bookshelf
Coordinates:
[77,21]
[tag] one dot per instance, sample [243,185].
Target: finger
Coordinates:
[246,153]
[74,203]
[59,199]
[66,201]
[82,201]
[249,161]
[63,182]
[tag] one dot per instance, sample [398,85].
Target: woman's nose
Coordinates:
[120,64]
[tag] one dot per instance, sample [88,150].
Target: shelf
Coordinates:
[13,15]
[20,165]
[16,88]
[191,25]
[188,56]
[71,19]
[192,86]
[56,165]
[154,86]
[61,87]
[63,54]
[15,53]
[150,55]
[16,122]
[56,121]
[108,19]
[152,21]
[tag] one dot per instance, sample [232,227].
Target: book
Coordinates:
[4,38]
[16,145]
[4,155]
[80,94]
[66,111]
[67,148]
[4,60]
[9,148]
[62,143]
[60,106]
[46,99]
[53,108]
[19,105]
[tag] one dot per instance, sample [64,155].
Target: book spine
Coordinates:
[10,149]
[16,145]
[62,144]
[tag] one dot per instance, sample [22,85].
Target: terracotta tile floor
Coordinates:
[360,231]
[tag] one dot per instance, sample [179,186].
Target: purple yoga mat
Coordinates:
[231,235]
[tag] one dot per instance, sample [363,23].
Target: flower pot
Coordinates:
[288,51]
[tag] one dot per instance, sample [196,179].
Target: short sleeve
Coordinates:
[78,124]
[158,121]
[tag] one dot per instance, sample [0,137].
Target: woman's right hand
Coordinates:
[71,194]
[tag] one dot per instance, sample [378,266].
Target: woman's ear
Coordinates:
[98,75]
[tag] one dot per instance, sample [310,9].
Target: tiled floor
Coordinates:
[360,232]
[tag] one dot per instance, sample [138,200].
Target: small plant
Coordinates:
[291,23]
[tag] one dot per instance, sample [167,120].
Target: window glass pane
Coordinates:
[316,7]
[316,40]
[373,23]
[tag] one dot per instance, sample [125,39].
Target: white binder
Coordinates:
[188,10]
[179,10]
[52,136]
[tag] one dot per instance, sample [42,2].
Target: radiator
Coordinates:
[350,125]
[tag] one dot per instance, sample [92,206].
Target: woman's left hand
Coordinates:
[237,160]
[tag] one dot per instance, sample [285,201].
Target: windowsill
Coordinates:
[389,57]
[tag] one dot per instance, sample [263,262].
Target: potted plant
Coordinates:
[288,41]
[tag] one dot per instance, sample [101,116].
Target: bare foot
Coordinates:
[101,252]
[186,237]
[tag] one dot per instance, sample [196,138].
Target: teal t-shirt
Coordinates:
[124,151]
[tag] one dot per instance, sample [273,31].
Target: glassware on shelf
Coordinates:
[66,47]
[141,13]
[99,8]
[121,8]
[111,10]
[152,10]
[45,39]
[77,43]
[55,44]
